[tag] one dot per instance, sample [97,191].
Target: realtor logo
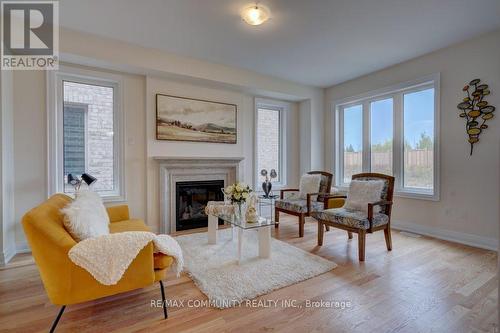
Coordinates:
[30,35]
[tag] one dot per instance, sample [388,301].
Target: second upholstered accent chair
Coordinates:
[376,216]
[303,204]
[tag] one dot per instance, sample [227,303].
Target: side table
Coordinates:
[267,202]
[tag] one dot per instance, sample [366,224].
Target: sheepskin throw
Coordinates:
[86,216]
[309,184]
[362,192]
[107,257]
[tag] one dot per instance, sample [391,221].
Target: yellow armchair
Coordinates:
[67,283]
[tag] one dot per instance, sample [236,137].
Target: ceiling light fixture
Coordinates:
[255,14]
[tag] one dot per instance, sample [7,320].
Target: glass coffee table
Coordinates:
[262,225]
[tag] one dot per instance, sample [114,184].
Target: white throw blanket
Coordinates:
[107,257]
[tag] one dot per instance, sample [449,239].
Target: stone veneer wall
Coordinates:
[99,128]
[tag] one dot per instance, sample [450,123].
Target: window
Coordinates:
[381,136]
[85,131]
[75,157]
[270,119]
[392,131]
[353,140]
[88,134]
[418,139]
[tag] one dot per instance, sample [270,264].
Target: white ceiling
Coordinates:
[314,42]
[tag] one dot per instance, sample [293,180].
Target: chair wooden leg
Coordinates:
[301,225]
[349,234]
[361,244]
[321,232]
[388,239]
[56,321]
[276,218]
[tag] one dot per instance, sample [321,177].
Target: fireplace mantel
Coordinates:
[175,169]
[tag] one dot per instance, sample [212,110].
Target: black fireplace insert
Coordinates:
[191,199]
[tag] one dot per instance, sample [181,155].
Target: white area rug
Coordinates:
[215,270]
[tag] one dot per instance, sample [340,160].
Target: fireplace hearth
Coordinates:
[191,199]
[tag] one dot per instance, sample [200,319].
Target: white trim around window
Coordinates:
[283,108]
[395,92]
[55,162]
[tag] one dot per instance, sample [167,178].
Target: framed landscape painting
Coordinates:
[188,119]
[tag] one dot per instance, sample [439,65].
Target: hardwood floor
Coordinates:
[423,285]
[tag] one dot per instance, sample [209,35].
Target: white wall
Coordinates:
[7,227]
[30,144]
[311,127]
[317,134]
[142,190]
[245,124]
[78,47]
[305,137]
[145,72]
[244,146]
[468,203]
[468,209]
[83,48]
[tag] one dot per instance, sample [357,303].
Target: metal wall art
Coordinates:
[267,185]
[475,110]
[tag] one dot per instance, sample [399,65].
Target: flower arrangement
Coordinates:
[238,193]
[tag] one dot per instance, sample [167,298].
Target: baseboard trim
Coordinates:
[6,256]
[487,243]
[22,247]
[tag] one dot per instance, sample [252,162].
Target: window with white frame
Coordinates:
[270,133]
[393,131]
[84,118]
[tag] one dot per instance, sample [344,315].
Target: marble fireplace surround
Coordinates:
[180,169]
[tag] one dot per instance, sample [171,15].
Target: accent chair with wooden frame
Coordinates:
[304,207]
[358,221]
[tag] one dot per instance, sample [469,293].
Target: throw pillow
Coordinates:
[362,192]
[86,216]
[309,184]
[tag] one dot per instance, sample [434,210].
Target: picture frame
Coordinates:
[195,120]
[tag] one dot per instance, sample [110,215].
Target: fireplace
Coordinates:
[191,199]
[173,170]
